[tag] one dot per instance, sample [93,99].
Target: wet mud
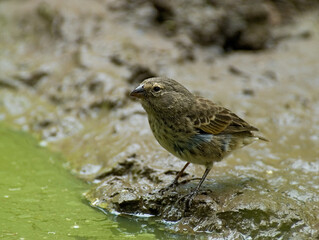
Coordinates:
[66,70]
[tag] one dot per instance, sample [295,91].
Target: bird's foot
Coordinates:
[187,199]
[170,186]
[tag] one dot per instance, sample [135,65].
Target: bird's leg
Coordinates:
[178,175]
[175,182]
[189,197]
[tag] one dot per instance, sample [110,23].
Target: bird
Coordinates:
[192,128]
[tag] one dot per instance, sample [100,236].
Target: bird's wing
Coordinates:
[214,119]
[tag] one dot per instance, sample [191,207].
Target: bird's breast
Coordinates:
[182,142]
[168,132]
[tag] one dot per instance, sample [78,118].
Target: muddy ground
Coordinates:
[66,68]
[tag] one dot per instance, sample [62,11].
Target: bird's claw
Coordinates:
[188,199]
[165,189]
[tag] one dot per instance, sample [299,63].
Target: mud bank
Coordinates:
[66,71]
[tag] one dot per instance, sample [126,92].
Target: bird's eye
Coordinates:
[156,88]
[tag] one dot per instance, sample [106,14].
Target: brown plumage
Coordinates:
[192,128]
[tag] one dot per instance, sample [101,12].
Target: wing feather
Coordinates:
[214,119]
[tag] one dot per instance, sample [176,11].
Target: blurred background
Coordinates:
[66,70]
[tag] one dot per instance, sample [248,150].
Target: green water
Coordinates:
[39,199]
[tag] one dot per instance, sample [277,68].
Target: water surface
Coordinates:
[40,199]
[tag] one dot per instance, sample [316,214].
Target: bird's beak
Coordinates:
[138,92]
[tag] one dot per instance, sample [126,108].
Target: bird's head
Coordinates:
[150,88]
[160,92]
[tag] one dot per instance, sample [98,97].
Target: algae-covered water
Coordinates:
[40,199]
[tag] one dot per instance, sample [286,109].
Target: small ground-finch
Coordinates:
[192,128]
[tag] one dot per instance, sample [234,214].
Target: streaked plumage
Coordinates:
[192,128]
